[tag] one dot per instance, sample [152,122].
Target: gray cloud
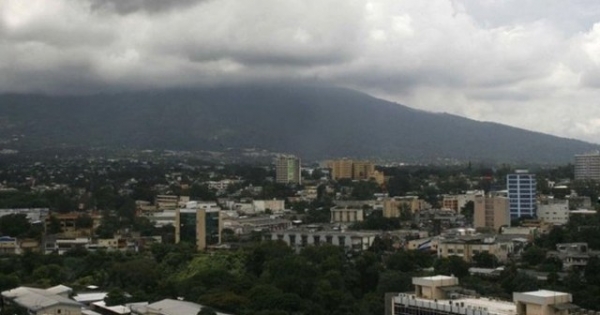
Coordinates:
[131,6]
[526,63]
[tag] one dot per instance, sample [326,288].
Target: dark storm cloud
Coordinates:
[150,6]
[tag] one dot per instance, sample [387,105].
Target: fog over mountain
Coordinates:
[312,122]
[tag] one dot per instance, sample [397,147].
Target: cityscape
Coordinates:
[172,233]
[299,157]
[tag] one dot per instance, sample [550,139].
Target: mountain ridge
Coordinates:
[313,122]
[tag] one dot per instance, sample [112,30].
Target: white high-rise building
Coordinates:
[587,166]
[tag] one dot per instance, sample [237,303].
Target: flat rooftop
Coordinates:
[437,278]
[463,305]
[545,293]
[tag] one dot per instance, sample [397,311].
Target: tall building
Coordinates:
[521,194]
[350,169]
[587,166]
[362,170]
[341,169]
[491,211]
[198,226]
[287,170]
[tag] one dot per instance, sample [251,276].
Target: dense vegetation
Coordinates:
[267,278]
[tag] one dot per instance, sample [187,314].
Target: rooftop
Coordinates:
[462,305]
[545,293]
[36,299]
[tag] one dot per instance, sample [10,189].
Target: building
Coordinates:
[350,240]
[457,202]
[9,245]
[275,206]
[168,307]
[34,215]
[357,170]
[554,211]
[347,215]
[198,226]
[392,207]
[362,170]
[341,169]
[287,170]
[442,295]
[587,166]
[51,301]
[73,224]
[573,255]
[468,246]
[521,194]
[491,211]
[241,226]
[429,244]
[166,202]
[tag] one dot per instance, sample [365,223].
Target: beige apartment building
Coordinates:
[351,169]
[491,211]
[362,170]
[392,206]
[346,215]
[341,169]
[467,247]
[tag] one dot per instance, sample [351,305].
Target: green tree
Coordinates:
[485,260]
[14,225]
[453,265]
[53,225]
[468,211]
[533,255]
[592,270]
[116,297]
[84,221]
[205,310]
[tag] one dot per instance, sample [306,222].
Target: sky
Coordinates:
[524,63]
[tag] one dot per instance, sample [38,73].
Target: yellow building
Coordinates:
[392,206]
[341,169]
[378,177]
[491,212]
[467,247]
[362,170]
[346,215]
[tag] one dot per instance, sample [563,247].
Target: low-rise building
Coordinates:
[554,211]
[424,244]
[241,226]
[442,295]
[9,245]
[468,246]
[393,206]
[347,215]
[168,307]
[350,240]
[573,255]
[457,202]
[51,301]
[275,206]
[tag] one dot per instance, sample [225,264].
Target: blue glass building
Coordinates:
[522,193]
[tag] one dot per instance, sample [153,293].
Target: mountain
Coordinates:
[312,122]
